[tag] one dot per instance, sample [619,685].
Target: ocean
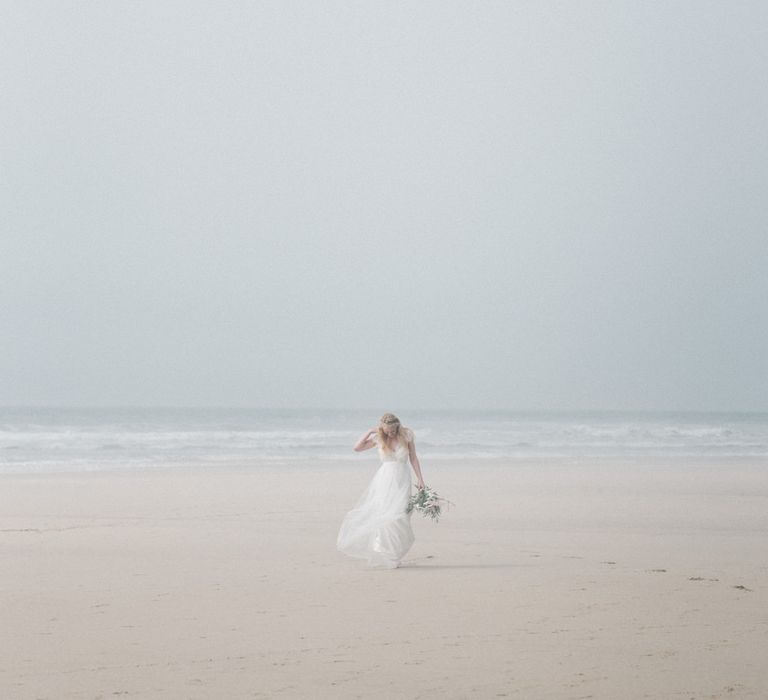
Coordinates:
[36,440]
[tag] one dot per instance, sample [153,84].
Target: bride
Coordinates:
[378,528]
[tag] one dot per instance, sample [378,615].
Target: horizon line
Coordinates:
[373,410]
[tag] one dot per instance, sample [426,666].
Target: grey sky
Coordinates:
[386,205]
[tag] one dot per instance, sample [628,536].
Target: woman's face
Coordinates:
[390,429]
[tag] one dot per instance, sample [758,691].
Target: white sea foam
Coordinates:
[74,439]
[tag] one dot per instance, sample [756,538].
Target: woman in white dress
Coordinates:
[378,529]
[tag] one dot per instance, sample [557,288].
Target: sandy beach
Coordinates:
[548,579]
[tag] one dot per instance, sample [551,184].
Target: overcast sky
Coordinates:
[526,205]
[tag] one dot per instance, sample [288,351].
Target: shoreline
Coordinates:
[240,466]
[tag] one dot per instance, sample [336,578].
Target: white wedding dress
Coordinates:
[378,529]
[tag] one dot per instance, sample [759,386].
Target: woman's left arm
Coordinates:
[415,461]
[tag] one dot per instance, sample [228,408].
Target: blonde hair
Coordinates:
[401,430]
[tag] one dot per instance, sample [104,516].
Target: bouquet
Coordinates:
[428,503]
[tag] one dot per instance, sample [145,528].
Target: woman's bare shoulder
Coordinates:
[409,436]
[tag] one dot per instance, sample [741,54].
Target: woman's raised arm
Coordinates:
[366,441]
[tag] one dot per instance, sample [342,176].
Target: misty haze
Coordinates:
[428,205]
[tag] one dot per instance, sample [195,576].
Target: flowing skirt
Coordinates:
[378,529]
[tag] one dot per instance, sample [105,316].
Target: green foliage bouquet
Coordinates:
[428,503]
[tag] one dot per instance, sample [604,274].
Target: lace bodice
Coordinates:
[400,453]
